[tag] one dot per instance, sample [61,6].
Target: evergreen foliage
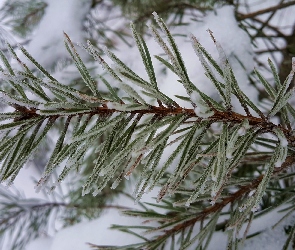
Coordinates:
[125,135]
[23,16]
[171,11]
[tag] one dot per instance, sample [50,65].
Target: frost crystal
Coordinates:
[278,163]
[212,202]
[229,155]
[195,96]
[85,191]
[115,184]
[117,106]
[251,193]
[254,209]
[187,204]
[245,126]
[284,142]
[242,208]
[155,14]
[203,113]
[214,178]
[202,110]
[96,192]
[242,131]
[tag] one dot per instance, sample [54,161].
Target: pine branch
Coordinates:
[217,207]
[130,134]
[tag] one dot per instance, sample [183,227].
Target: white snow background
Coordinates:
[47,46]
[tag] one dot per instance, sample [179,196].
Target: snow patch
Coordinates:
[47,46]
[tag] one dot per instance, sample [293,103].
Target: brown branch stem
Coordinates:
[266,10]
[219,116]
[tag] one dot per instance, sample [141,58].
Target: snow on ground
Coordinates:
[96,231]
[47,46]
[271,238]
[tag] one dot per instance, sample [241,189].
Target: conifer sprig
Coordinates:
[130,134]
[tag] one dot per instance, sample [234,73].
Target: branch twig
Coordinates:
[269,9]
